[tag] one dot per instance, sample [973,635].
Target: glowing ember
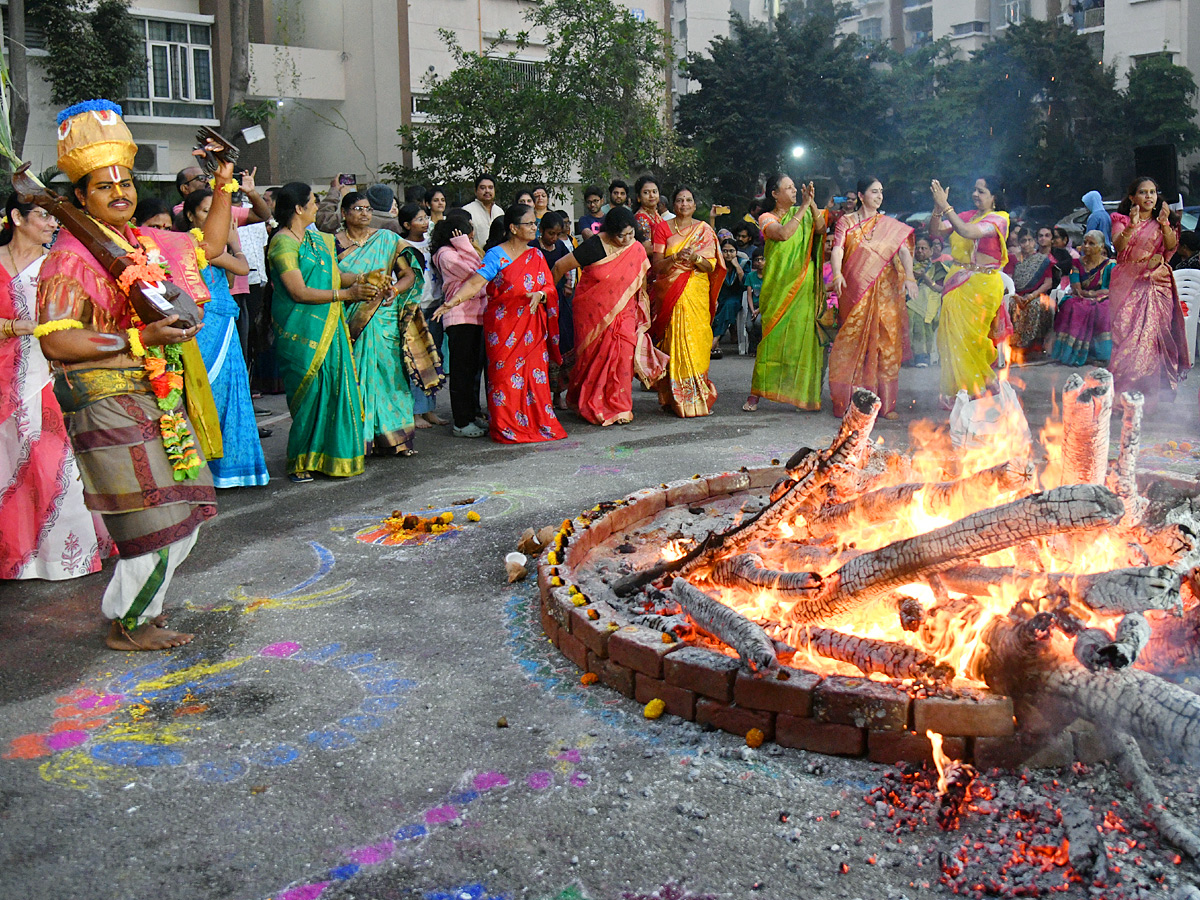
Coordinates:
[675,550]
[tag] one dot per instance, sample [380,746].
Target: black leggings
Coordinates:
[466,364]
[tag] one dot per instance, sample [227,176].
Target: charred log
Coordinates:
[1133,633]
[1086,851]
[1128,757]
[1088,644]
[1072,507]
[746,570]
[1118,591]
[1174,643]
[1087,411]
[1123,478]
[752,644]
[871,656]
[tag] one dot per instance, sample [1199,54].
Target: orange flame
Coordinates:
[940,759]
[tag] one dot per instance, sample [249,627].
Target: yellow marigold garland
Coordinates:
[136,347]
[57,325]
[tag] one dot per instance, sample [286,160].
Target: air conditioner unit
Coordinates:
[153,157]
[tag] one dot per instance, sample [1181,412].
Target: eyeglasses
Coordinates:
[524,224]
[359,209]
[200,177]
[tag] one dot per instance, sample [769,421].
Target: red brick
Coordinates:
[684,493]
[981,715]
[727,483]
[572,648]
[765,476]
[640,649]
[593,632]
[768,692]
[549,626]
[638,506]
[862,703]
[819,737]
[703,671]
[679,701]
[893,747]
[1034,751]
[616,677]
[734,719]
[559,607]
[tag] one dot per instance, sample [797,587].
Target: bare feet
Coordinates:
[419,422]
[147,636]
[434,419]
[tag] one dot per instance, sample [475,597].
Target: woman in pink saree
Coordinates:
[1149,342]
[872,276]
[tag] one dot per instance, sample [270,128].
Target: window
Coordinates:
[871,29]
[177,83]
[967,28]
[1017,11]
[520,72]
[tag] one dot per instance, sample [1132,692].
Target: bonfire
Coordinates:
[957,567]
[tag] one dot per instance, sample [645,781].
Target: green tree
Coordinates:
[93,49]
[764,90]
[1160,104]
[1050,108]
[594,106]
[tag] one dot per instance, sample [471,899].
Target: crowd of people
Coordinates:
[360,308]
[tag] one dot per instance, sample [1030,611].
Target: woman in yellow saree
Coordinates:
[973,291]
[688,274]
[872,276]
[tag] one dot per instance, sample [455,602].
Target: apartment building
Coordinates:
[1120,31]
[343,75]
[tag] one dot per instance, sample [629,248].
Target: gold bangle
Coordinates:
[335,295]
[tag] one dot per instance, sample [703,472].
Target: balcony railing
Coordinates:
[1093,18]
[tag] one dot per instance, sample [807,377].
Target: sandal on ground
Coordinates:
[406,452]
[751,405]
[300,478]
[470,430]
[716,354]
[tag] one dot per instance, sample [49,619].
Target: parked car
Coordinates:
[1189,217]
[1073,223]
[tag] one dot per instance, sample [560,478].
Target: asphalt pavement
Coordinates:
[359,719]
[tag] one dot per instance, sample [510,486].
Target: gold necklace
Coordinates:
[361,243]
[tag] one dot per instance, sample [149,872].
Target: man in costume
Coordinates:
[123,381]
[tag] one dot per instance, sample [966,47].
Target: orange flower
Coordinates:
[754,738]
[589,678]
[154,366]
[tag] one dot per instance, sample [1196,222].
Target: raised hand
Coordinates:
[1164,216]
[807,192]
[941,195]
[247,180]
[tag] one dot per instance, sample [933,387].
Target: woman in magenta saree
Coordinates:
[1149,342]
[520,328]
[872,270]
[611,318]
[1083,324]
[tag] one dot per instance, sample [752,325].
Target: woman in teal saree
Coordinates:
[378,327]
[313,343]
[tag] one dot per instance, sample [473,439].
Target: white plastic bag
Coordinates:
[981,422]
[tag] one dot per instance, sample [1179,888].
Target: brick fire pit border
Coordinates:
[839,715]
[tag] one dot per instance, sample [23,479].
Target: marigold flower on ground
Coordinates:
[579,599]
[589,678]
[654,709]
[473,516]
[754,738]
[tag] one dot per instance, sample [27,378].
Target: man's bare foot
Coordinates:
[434,419]
[160,620]
[419,422]
[147,636]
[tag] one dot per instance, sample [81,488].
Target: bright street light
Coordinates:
[797,152]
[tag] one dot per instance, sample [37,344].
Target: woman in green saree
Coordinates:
[377,327]
[790,363]
[312,342]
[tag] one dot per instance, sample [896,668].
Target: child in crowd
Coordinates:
[924,310]
[729,301]
[754,281]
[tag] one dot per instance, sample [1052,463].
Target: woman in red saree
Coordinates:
[688,273]
[520,328]
[1149,341]
[611,315]
[872,276]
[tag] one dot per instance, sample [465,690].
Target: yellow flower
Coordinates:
[754,738]
[613,626]
[668,638]
[579,599]
[555,581]
[447,517]
[654,709]
[551,558]
[473,516]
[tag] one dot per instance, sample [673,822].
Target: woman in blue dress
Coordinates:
[243,464]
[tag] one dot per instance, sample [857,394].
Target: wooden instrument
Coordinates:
[150,300]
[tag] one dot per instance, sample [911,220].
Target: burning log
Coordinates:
[1174,643]
[953,784]
[1133,633]
[762,525]
[937,498]
[752,644]
[1064,509]
[746,570]
[872,656]
[1123,477]
[1117,591]
[1127,755]
[1086,850]
[910,610]
[1087,411]
[1016,659]
[1088,644]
